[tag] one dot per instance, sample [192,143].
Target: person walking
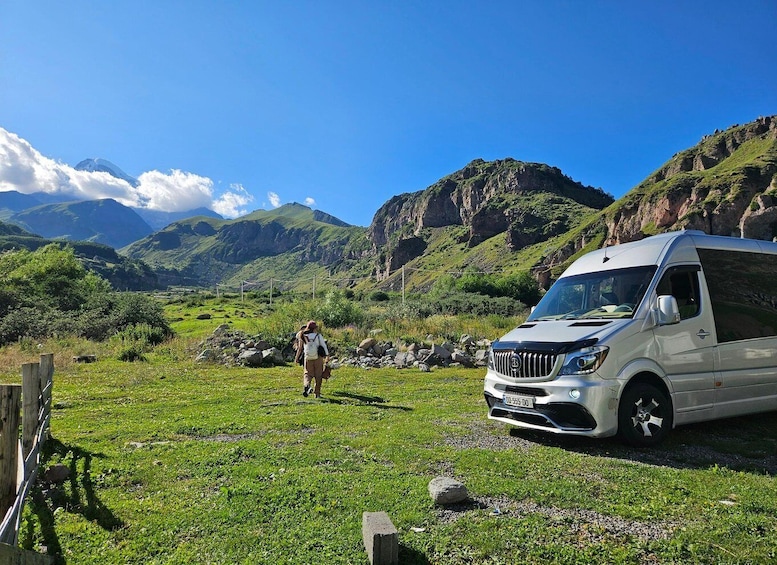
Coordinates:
[315,351]
[299,345]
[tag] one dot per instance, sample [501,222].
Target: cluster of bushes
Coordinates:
[337,309]
[48,292]
[466,303]
[521,287]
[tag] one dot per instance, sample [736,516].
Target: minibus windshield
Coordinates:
[603,294]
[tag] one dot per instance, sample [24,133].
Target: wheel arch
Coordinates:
[646,377]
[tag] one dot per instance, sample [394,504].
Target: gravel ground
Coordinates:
[588,525]
[689,447]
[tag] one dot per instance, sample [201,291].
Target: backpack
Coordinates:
[311,349]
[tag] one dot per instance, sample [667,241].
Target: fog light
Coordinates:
[574,394]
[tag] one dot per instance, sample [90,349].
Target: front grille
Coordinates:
[524,364]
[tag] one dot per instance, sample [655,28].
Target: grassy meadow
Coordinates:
[174,462]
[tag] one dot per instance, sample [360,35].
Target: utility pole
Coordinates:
[403,286]
[270,291]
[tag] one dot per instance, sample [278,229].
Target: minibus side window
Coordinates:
[683,284]
[743,292]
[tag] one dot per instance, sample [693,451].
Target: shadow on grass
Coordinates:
[76,495]
[410,556]
[375,401]
[747,444]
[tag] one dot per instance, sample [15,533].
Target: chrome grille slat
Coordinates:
[533,364]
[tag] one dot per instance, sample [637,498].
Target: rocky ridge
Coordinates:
[529,202]
[725,185]
[739,201]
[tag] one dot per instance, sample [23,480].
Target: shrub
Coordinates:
[49,293]
[337,311]
[476,304]
[22,322]
[132,352]
[135,308]
[138,339]
[145,334]
[520,287]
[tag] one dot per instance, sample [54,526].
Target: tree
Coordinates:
[48,292]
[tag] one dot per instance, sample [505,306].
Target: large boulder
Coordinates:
[251,358]
[273,354]
[441,351]
[461,357]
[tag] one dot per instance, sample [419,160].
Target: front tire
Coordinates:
[644,415]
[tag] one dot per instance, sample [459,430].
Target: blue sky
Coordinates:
[344,104]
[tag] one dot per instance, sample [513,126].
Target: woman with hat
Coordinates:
[315,351]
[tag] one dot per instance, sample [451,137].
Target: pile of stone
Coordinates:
[372,353]
[234,347]
[229,347]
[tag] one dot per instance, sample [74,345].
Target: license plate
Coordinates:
[519,401]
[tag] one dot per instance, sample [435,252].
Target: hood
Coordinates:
[560,335]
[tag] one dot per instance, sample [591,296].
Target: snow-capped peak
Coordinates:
[104,166]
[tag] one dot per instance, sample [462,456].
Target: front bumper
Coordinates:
[568,405]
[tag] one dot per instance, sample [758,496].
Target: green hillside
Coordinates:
[103,221]
[122,272]
[283,243]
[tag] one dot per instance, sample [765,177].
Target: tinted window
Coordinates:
[743,291]
[683,284]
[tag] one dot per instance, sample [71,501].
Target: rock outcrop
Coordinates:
[529,202]
[725,185]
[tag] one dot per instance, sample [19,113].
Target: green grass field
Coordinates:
[175,463]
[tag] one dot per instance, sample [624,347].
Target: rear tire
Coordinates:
[644,415]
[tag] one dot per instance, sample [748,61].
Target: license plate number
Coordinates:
[519,401]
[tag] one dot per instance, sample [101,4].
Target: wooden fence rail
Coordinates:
[20,457]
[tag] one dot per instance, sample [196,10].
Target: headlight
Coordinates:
[490,358]
[584,361]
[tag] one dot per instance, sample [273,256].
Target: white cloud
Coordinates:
[310,202]
[176,191]
[275,200]
[230,204]
[24,169]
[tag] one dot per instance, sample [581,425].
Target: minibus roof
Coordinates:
[654,250]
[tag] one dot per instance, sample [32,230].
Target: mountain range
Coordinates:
[58,216]
[497,216]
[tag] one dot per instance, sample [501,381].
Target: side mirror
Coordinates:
[532,310]
[668,312]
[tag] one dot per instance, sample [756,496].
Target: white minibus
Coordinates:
[635,339]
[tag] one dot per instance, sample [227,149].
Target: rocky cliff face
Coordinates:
[725,185]
[528,202]
[705,188]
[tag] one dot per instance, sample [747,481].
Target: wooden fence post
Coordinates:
[9,445]
[46,386]
[30,405]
